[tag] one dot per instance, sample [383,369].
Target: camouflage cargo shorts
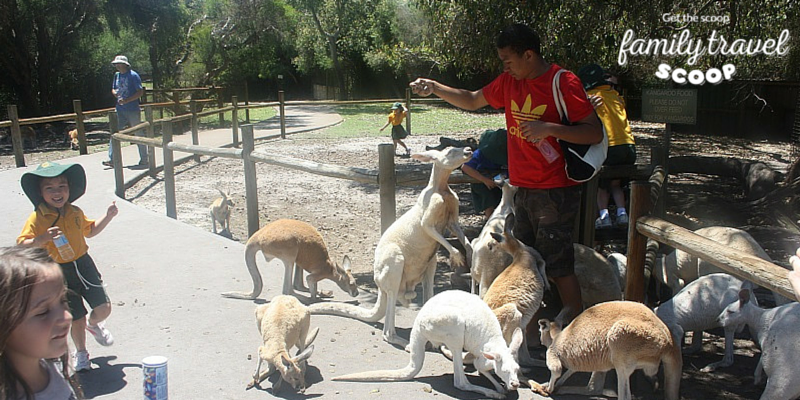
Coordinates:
[545,220]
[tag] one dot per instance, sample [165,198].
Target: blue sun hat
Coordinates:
[76,178]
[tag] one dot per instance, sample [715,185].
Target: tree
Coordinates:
[40,39]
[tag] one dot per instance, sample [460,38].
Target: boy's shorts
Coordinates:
[89,288]
[545,220]
[624,154]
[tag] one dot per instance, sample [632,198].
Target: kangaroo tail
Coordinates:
[673,365]
[352,311]
[312,336]
[417,347]
[250,251]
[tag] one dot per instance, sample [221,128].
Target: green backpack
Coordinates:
[494,146]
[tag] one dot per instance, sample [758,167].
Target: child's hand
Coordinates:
[112,210]
[49,235]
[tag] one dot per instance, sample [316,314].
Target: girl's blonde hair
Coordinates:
[20,269]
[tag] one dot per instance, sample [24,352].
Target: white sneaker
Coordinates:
[622,219]
[101,334]
[602,223]
[82,362]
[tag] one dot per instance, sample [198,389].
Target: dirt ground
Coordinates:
[347,215]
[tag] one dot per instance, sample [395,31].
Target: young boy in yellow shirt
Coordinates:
[61,228]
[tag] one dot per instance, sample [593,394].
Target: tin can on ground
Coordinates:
[155,378]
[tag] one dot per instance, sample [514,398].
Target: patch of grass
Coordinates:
[366,120]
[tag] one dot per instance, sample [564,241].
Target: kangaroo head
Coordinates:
[226,197]
[503,361]
[548,332]
[292,369]
[735,313]
[507,242]
[449,158]
[344,277]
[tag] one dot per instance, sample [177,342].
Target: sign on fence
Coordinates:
[676,106]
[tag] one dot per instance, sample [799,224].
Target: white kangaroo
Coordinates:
[220,210]
[776,332]
[697,307]
[283,324]
[597,276]
[301,248]
[406,252]
[458,320]
[522,285]
[487,260]
[622,335]
[679,267]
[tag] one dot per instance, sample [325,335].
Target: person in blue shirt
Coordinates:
[127,89]
[488,160]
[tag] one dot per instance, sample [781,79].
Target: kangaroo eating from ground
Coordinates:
[220,210]
[406,252]
[622,335]
[488,260]
[283,324]
[697,307]
[777,334]
[300,248]
[522,285]
[458,320]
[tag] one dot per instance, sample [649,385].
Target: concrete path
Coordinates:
[164,279]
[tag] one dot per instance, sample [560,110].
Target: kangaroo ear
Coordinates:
[221,192]
[426,156]
[510,221]
[489,356]
[304,355]
[744,296]
[286,361]
[346,263]
[497,237]
[516,341]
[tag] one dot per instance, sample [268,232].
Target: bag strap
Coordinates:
[558,98]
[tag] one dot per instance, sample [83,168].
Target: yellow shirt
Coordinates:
[73,224]
[396,119]
[613,115]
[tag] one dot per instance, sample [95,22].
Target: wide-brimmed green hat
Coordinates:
[75,174]
[591,76]
[397,105]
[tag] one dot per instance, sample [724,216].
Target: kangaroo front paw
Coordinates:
[456,260]
[539,389]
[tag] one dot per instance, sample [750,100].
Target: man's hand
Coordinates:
[534,131]
[490,183]
[422,87]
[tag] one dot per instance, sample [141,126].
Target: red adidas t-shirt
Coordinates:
[532,100]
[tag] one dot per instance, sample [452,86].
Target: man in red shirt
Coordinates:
[547,202]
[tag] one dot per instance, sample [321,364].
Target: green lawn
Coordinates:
[365,120]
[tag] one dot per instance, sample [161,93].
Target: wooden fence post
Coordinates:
[76,106]
[235,120]
[16,136]
[246,103]
[116,156]
[151,133]
[408,114]
[588,212]
[220,103]
[283,114]
[250,179]
[387,181]
[641,205]
[169,170]
[195,127]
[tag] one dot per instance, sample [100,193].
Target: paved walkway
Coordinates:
[164,279]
